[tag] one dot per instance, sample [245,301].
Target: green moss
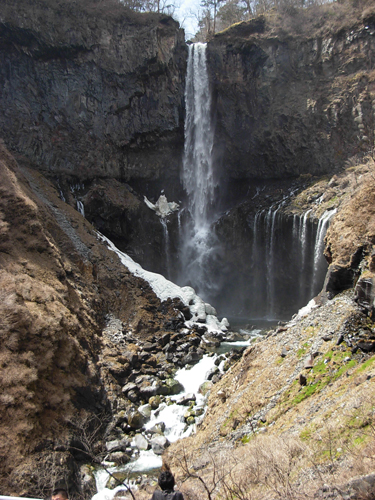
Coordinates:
[303,349]
[246,439]
[365,365]
[344,369]
[306,434]
[306,392]
[320,367]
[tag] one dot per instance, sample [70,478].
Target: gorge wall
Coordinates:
[93,96]
[293,100]
[93,92]
[289,102]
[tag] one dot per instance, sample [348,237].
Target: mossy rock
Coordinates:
[175,387]
[205,387]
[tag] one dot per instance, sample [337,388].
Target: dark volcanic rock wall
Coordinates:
[287,105]
[94,91]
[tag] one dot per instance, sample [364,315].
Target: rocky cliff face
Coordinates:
[288,102]
[93,91]
[293,100]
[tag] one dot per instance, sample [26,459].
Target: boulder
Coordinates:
[366,346]
[175,387]
[136,420]
[145,410]
[205,387]
[117,444]
[222,395]
[131,357]
[186,399]
[192,358]
[129,387]
[119,457]
[159,444]
[158,428]
[141,442]
[309,362]
[132,396]
[214,370]
[216,378]
[149,347]
[164,340]
[163,390]
[154,402]
[146,391]
[234,337]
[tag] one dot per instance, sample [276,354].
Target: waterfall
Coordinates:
[80,208]
[164,223]
[198,246]
[303,248]
[319,246]
[198,175]
[287,266]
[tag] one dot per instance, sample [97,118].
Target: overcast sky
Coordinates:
[188,22]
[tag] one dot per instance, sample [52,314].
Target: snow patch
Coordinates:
[165,289]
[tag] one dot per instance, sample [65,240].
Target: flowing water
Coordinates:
[198,244]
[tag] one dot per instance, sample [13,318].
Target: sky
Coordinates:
[183,15]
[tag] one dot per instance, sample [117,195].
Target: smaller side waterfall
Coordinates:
[287,262]
[80,208]
[164,223]
[319,247]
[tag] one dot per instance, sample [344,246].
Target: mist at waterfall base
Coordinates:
[267,267]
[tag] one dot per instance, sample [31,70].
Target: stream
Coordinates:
[172,415]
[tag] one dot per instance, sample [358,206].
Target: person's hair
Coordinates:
[166,480]
[60,491]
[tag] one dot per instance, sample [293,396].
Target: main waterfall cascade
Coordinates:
[199,249]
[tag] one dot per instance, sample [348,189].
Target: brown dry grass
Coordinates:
[286,19]
[280,467]
[354,225]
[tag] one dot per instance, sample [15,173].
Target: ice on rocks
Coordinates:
[162,207]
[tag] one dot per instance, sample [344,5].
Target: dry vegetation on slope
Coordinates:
[57,283]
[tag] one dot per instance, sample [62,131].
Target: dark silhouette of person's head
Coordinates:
[59,494]
[166,480]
